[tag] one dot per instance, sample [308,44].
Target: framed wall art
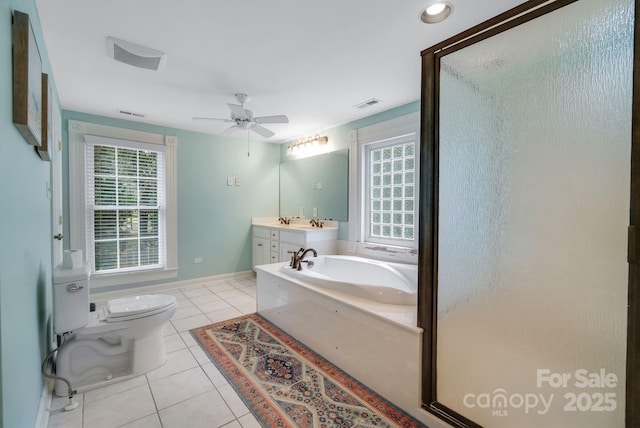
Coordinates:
[27,80]
[45,135]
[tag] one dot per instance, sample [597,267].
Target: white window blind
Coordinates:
[125,205]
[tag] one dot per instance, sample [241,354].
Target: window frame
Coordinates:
[78,200]
[392,129]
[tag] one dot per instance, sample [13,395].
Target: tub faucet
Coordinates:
[308,262]
[295,258]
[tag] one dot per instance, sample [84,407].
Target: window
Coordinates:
[384,188]
[125,207]
[390,190]
[123,203]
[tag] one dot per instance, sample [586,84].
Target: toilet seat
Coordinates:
[131,308]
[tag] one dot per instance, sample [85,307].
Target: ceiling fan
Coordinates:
[244,119]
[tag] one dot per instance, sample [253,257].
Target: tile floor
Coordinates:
[188,391]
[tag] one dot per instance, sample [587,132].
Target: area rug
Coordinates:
[286,384]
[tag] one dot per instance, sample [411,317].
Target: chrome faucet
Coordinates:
[308,262]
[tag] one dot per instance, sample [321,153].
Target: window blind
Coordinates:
[125,198]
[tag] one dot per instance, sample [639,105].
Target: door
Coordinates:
[56,184]
[527,276]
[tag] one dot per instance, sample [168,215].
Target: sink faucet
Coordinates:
[284,220]
[302,260]
[316,223]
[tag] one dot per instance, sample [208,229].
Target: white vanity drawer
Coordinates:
[297,238]
[275,234]
[275,246]
[261,232]
[274,257]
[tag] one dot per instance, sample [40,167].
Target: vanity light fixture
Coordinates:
[307,144]
[435,12]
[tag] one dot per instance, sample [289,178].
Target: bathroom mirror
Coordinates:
[319,182]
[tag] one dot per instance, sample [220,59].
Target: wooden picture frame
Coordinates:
[43,148]
[27,80]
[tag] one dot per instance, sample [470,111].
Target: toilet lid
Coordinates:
[132,307]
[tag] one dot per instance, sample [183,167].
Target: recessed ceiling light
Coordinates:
[435,12]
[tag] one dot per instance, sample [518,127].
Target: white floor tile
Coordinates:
[119,409]
[223,315]
[113,389]
[186,312]
[240,300]
[221,286]
[188,339]
[230,293]
[207,410]
[200,356]
[70,419]
[204,299]
[173,343]
[233,424]
[233,400]
[248,308]
[214,374]
[214,306]
[185,324]
[167,329]
[180,387]
[195,291]
[249,421]
[151,421]
[177,362]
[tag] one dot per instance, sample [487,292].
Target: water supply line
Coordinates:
[71,392]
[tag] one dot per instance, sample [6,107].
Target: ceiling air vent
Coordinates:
[128,113]
[368,103]
[135,55]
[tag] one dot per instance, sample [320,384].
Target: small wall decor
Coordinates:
[27,80]
[45,134]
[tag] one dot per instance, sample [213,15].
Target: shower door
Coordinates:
[530,188]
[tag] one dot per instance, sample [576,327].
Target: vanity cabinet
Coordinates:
[276,244]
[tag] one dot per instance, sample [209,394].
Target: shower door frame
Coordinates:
[428,233]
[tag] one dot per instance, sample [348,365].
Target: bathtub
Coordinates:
[381,282]
[335,308]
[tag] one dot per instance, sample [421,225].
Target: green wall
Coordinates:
[214,220]
[25,249]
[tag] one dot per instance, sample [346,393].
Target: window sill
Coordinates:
[387,252]
[113,279]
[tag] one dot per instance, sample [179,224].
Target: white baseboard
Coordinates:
[107,295]
[44,408]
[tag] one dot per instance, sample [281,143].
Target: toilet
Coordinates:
[119,340]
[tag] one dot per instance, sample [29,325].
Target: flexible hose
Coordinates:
[71,392]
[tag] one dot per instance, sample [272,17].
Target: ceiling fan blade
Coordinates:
[272,119]
[238,111]
[229,130]
[262,131]
[211,118]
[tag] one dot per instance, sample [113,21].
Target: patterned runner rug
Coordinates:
[286,384]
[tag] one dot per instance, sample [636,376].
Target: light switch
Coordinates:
[237,181]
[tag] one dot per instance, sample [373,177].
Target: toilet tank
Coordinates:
[70,298]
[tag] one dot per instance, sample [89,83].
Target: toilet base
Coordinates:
[93,362]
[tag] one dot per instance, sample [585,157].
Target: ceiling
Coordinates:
[311,60]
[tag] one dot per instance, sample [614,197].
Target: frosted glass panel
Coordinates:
[535,137]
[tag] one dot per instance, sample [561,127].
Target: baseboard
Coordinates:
[106,295]
[44,408]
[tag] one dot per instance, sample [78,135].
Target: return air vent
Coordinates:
[368,103]
[135,55]
[128,113]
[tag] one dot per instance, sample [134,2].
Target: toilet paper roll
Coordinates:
[72,259]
